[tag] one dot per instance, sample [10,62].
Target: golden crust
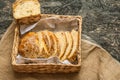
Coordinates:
[48,39]
[73,53]
[62,43]
[70,44]
[28,46]
[42,45]
[29,20]
[54,49]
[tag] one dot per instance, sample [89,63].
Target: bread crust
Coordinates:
[70,44]
[29,20]
[62,43]
[54,48]
[28,46]
[74,50]
[48,39]
[43,47]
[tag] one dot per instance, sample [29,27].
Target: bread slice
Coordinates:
[26,8]
[49,42]
[70,44]
[48,39]
[42,46]
[54,48]
[62,43]
[73,53]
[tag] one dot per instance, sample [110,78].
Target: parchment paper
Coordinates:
[51,23]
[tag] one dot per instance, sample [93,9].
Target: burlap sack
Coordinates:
[97,64]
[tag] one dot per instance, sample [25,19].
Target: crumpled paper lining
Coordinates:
[23,60]
[53,24]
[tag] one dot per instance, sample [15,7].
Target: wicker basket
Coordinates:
[45,68]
